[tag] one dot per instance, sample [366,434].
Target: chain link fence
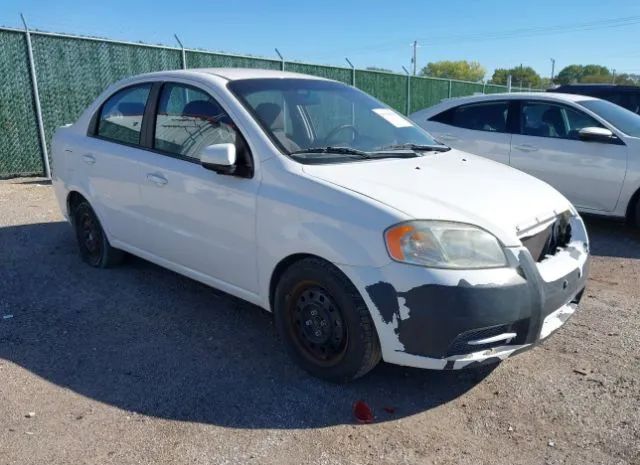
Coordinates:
[72,71]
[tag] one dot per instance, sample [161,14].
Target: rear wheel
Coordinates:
[324,322]
[95,249]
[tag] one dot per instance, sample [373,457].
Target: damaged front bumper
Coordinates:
[452,319]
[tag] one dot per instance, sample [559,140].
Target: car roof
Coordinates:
[230,74]
[549,96]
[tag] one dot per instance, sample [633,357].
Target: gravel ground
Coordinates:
[137,364]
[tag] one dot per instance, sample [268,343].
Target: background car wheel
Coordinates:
[92,241]
[324,321]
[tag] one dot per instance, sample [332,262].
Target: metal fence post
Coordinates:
[36,98]
[484,86]
[450,88]
[353,73]
[408,90]
[184,54]
[281,59]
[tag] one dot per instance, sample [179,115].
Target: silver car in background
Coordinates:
[587,148]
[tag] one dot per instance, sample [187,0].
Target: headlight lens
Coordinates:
[444,244]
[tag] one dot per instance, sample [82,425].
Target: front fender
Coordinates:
[297,214]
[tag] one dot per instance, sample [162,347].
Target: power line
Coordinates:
[540,30]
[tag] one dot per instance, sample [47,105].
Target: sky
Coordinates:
[496,33]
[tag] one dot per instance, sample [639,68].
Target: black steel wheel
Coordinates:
[95,249]
[317,324]
[324,322]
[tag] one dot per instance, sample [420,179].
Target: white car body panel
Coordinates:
[596,177]
[232,232]
[496,145]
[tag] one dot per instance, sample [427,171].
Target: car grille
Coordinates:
[548,241]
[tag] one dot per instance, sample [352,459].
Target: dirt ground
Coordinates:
[137,364]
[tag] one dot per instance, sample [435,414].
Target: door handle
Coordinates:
[157,179]
[448,137]
[88,159]
[526,147]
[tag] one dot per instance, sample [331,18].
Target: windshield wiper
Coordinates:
[415,147]
[336,150]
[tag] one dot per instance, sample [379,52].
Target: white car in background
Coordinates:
[587,148]
[313,200]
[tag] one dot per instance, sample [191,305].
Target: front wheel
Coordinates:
[324,322]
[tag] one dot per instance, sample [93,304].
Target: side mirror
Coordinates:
[220,158]
[593,134]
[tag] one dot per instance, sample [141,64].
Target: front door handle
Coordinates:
[88,159]
[526,147]
[157,179]
[448,137]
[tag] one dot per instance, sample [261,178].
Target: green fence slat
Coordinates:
[329,72]
[390,88]
[210,60]
[426,92]
[20,152]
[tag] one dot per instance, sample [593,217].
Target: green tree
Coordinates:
[463,70]
[521,76]
[628,79]
[583,73]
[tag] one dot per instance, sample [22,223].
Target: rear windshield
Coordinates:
[623,119]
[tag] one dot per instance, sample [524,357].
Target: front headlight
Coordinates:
[444,244]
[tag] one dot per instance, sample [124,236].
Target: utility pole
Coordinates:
[553,68]
[613,81]
[415,56]
[521,77]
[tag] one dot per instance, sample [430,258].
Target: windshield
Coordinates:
[623,119]
[312,119]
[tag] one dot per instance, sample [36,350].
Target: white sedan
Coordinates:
[309,198]
[587,148]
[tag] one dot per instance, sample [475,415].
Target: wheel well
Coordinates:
[281,268]
[631,207]
[73,199]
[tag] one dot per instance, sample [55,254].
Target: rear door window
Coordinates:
[121,115]
[484,116]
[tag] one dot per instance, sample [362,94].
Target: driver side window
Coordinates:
[188,119]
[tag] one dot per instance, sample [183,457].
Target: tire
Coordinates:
[324,322]
[636,217]
[95,249]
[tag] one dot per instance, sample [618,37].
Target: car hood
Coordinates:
[453,186]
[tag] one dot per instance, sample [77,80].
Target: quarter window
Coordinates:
[545,119]
[486,116]
[121,115]
[188,120]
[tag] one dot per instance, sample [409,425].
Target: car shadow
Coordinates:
[610,238]
[147,340]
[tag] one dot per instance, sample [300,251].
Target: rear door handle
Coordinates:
[526,147]
[88,159]
[157,179]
